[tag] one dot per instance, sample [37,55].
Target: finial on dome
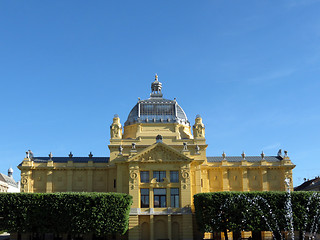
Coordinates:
[156,87]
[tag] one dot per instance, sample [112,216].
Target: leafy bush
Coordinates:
[257,211]
[73,213]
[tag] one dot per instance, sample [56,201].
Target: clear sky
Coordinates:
[249,68]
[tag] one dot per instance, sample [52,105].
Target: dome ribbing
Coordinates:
[156,109]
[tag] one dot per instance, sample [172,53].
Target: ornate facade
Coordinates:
[162,163]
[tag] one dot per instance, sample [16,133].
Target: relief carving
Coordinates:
[133,173]
[24,184]
[159,155]
[185,178]
[185,174]
[24,180]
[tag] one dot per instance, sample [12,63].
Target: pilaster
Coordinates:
[151,227]
[120,178]
[225,179]
[288,174]
[206,180]
[134,227]
[134,184]
[26,181]
[187,227]
[169,227]
[185,187]
[264,180]
[151,196]
[245,182]
[89,180]
[69,180]
[49,182]
[167,196]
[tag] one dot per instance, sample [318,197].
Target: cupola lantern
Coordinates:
[156,87]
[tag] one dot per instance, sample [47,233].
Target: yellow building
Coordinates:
[162,163]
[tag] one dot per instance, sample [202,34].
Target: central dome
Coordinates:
[157,109]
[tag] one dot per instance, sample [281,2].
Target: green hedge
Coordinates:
[72,213]
[256,211]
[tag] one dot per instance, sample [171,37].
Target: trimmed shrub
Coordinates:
[72,213]
[257,211]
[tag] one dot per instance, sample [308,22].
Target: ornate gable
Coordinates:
[159,152]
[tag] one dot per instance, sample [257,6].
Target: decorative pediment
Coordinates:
[159,152]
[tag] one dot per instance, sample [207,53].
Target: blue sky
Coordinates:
[250,68]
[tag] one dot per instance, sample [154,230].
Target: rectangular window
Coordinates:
[144,197]
[160,197]
[144,176]
[174,176]
[159,175]
[174,197]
